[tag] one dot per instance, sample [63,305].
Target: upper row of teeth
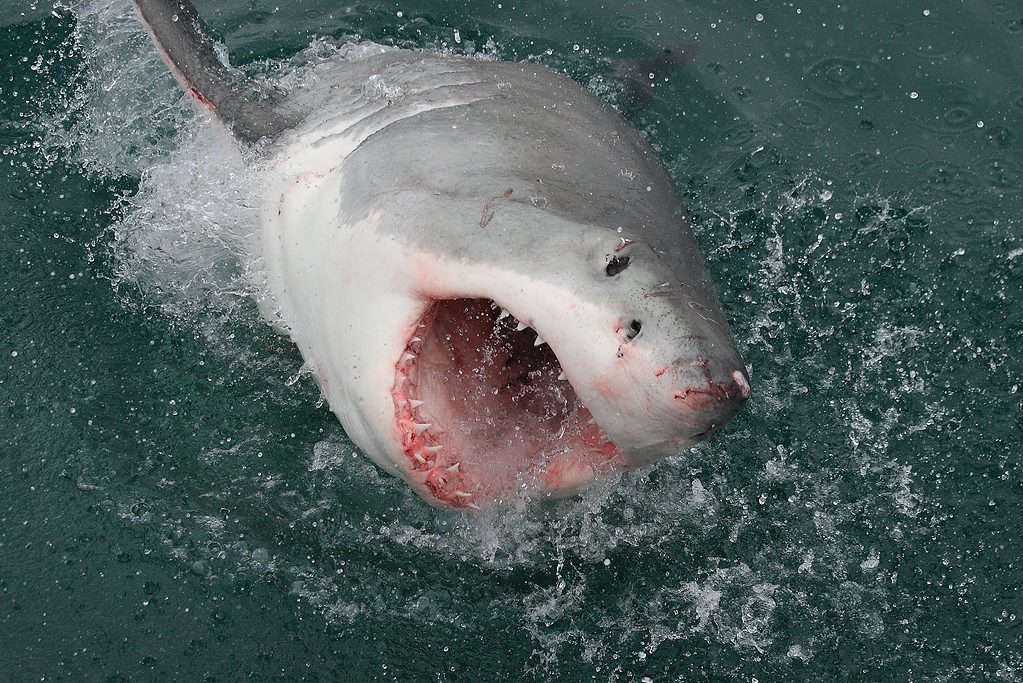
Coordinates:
[520,326]
[410,355]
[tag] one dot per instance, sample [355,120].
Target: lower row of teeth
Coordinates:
[426,453]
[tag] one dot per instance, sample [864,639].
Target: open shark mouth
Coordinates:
[483,409]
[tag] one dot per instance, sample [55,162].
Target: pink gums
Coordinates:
[445,480]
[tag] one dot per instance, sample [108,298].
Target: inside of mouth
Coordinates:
[484,409]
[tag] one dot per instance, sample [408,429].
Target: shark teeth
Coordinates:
[437,465]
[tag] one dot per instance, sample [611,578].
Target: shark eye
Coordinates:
[635,327]
[616,264]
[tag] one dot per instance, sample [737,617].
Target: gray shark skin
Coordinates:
[485,267]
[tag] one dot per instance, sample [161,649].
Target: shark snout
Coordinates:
[741,383]
[710,402]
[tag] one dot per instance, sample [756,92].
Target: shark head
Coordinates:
[544,366]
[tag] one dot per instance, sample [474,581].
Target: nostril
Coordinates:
[635,327]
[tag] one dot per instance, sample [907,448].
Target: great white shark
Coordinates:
[485,267]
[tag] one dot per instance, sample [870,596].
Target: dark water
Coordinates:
[176,502]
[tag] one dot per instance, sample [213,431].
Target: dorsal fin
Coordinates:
[251,113]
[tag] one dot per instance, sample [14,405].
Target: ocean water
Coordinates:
[177,502]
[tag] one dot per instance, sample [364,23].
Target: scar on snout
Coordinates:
[486,214]
[488,211]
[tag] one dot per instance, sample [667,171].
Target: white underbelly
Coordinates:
[341,285]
